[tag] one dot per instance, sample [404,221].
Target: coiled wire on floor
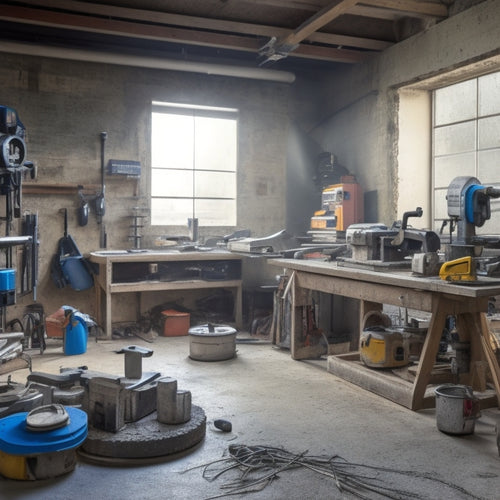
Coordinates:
[258,466]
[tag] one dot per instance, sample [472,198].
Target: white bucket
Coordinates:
[456,409]
[212,343]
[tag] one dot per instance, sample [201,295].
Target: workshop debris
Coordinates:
[328,170]
[11,345]
[218,307]
[54,324]
[274,243]
[256,467]
[16,397]
[223,425]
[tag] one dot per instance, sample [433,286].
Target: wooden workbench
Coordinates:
[468,303]
[107,285]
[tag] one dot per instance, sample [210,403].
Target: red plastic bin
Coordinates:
[175,323]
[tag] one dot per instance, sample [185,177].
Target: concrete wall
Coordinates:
[66,105]
[354,114]
[360,123]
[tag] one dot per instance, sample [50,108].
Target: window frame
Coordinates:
[229,217]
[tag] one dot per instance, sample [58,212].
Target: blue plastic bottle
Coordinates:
[75,336]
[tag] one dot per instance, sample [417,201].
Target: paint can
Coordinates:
[456,409]
[212,343]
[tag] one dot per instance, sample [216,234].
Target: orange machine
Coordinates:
[341,206]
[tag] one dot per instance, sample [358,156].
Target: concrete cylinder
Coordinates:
[183,413]
[166,400]
[172,406]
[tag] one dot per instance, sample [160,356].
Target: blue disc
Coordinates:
[469,201]
[15,439]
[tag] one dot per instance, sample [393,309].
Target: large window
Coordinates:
[194,161]
[466,140]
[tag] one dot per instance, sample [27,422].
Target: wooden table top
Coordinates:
[483,287]
[153,255]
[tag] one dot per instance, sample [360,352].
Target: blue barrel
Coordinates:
[75,336]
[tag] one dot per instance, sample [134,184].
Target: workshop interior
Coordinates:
[250,248]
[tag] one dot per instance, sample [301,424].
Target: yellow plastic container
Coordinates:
[383,348]
[34,467]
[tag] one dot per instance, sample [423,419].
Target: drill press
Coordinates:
[468,208]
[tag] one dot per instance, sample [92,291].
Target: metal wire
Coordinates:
[258,466]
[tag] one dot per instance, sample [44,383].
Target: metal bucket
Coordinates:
[456,409]
[212,343]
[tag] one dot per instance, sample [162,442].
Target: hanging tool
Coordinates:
[29,277]
[83,209]
[100,202]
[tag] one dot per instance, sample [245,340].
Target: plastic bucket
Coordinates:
[75,336]
[456,409]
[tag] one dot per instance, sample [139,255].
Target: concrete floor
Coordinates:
[272,400]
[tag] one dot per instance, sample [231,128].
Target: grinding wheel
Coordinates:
[145,439]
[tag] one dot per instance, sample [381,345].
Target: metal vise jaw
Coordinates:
[133,360]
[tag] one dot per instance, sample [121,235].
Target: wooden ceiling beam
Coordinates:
[204,23]
[392,7]
[316,22]
[163,33]
[411,7]
[375,13]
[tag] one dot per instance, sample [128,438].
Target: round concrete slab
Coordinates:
[146,438]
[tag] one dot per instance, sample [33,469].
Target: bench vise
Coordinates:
[377,242]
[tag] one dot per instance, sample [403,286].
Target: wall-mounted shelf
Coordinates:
[60,188]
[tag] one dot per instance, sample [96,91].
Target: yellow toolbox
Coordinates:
[383,348]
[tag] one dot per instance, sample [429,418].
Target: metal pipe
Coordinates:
[147,62]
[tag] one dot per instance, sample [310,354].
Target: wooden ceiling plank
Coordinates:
[411,7]
[204,23]
[125,28]
[329,54]
[310,5]
[375,13]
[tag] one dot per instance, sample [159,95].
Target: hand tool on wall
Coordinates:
[100,202]
[83,209]
[29,278]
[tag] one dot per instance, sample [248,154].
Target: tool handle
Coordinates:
[416,213]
